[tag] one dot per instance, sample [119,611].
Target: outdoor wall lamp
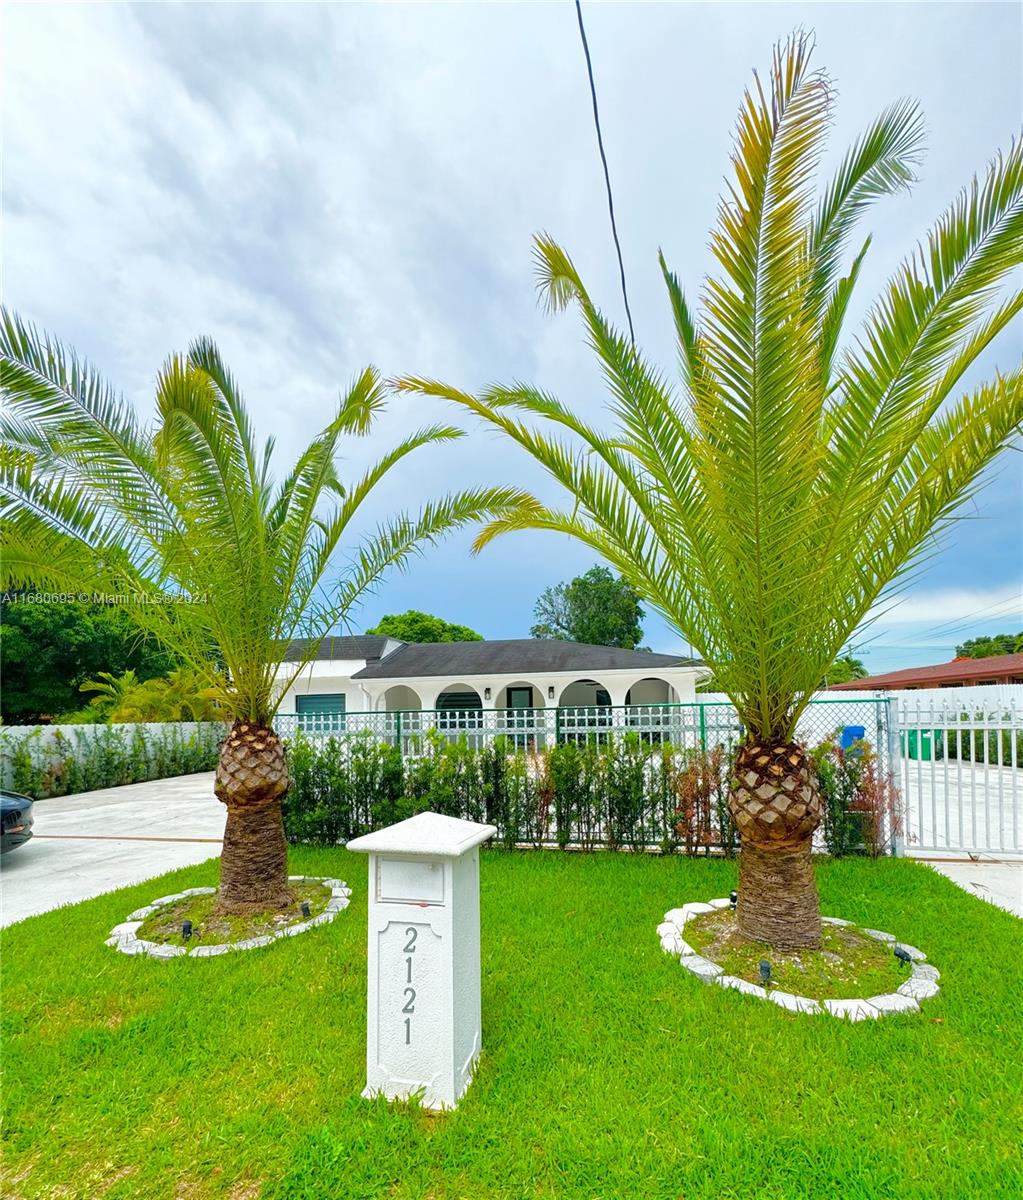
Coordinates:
[550,693]
[486,693]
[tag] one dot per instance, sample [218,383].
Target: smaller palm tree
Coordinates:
[112,692]
[183,694]
[184,524]
[794,476]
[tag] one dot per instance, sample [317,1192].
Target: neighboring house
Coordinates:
[960,672]
[371,674]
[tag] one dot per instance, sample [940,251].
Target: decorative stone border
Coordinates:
[123,937]
[922,983]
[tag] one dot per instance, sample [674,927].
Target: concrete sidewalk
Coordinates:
[997,882]
[95,842]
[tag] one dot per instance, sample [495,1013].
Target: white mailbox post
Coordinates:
[423,1019]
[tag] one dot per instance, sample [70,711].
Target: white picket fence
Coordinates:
[960,769]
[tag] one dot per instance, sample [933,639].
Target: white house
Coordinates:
[372,674]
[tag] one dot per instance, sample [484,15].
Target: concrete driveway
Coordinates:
[94,842]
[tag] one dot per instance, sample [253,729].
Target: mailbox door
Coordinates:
[409,1043]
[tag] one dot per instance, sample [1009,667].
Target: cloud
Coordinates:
[952,605]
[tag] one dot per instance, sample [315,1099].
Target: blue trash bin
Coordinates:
[851,734]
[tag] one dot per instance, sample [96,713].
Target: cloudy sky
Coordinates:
[318,187]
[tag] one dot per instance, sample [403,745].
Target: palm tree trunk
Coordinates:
[254,860]
[776,805]
[252,778]
[778,902]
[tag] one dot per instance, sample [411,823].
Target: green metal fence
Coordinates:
[701,725]
[633,776]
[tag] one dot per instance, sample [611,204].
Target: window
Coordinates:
[321,714]
[520,697]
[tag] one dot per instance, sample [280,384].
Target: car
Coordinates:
[17,820]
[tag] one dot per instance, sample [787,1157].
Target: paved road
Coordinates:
[94,842]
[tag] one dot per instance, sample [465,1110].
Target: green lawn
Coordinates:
[608,1072]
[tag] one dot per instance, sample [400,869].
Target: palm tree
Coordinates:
[794,476]
[112,691]
[183,694]
[184,523]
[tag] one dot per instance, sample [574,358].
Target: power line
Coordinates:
[1007,609]
[607,174]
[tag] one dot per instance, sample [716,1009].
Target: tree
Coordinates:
[49,646]
[844,669]
[988,647]
[766,504]
[182,695]
[220,563]
[413,626]
[598,608]
[112,692]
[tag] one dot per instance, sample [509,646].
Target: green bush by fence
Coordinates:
[624,794]
[50,762]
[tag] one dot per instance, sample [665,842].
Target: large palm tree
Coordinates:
[794,475]
[184,523]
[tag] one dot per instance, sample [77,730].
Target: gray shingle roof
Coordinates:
[514,657]
[364,645]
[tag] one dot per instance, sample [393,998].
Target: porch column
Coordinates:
[428,692]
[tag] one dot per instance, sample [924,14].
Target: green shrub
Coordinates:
[102,756]
[861,809]
[627,793]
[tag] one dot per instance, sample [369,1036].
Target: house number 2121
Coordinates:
[409,993]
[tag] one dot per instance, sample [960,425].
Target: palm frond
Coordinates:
[796,480]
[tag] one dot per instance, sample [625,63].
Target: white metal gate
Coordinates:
[960,755]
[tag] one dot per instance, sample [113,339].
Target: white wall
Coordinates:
[329,677]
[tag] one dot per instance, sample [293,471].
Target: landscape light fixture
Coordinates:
[186,930]
[902,955]
[765,971]
[733,899]
[306,911]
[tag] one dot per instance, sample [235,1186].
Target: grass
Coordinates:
[608,1073]
[212,928]
[848,965]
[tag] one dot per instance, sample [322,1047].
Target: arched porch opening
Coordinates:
[584,693]
[584,711]
[459,706]
[402,698]
[651,690]
[521,694]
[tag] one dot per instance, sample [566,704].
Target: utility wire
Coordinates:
[607,175]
